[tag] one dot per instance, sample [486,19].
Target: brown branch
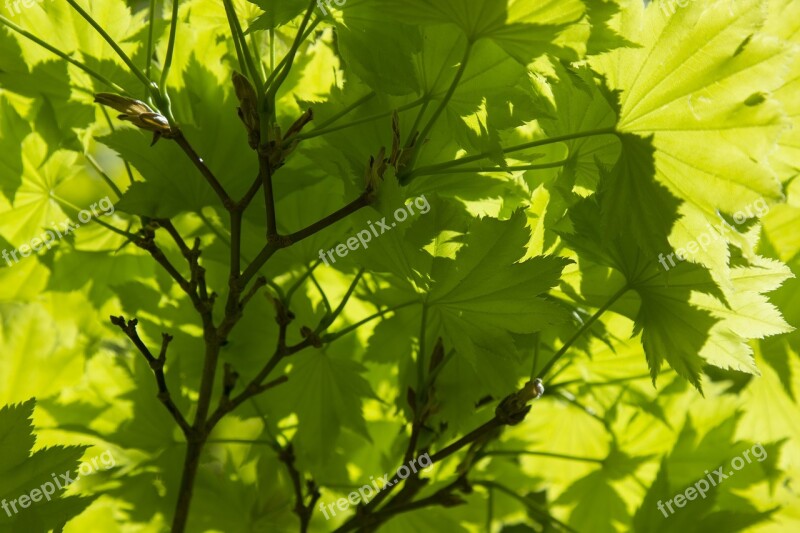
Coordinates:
[250,194]
[269,250]
[197,278]
[303,510]
[157,365]
[363,200]
[443,497]
[510,411]
[260,282]
[203,305]
[204,170]
[253,268]
[256,385]
[228,383]
[265,172]
[226,407]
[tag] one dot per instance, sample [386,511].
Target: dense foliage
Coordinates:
[548,246]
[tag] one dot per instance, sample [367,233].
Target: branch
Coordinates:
[157,365]
[269,250]
[257,385]
[204,170]
[260,282]
[443,497]
[250,194]
[265,173]
[147,242]
[303,510]
[510,411]
[442,106]
[363,200]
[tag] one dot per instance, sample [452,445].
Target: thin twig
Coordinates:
[204,170]
[303,510]
[157,365]
[269,250]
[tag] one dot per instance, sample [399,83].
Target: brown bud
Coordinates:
[137,113]
[248,106]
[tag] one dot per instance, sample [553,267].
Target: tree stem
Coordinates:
[191,463]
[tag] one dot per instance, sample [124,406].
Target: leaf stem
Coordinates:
[336,334]
[150,36]
[173,29]
[106,178]
[296,285]
[442,106]
[238,35]
[323,131]
[586,325]
[96,75]
[544,454]
[527,502]
[330,319]
[275,70]
[610,382]
[435,169]
[322,294]
[275,85]
[364,99]
[236,44]
[113,128]
[540,166]
[277,81]
[122,55]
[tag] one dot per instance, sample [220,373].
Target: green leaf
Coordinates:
[381,55]
[485,294]
[23,471]
[277,13]
[522,30]
[662,96]
[326,393]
